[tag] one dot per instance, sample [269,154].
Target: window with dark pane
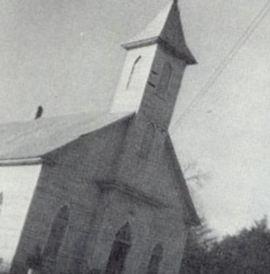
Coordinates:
[57,233]
[155,260]
[119,251]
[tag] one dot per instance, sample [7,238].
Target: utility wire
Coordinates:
[225,62]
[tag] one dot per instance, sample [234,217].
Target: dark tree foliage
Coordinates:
[196,257]
[247,253]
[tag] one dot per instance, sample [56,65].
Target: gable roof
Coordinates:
[26,142]
[33,139]
[190,213]
[165,29]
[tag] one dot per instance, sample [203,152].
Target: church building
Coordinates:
[104,194]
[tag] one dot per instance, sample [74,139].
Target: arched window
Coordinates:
[119,250]
[147,141]
[164,80]
[34,261]
[57,233]
[132,71]
[155,259]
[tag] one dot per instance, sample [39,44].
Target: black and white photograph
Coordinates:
[134,137]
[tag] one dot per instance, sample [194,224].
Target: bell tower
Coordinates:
[153,70]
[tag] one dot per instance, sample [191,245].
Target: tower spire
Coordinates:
[165,29]
[154,67]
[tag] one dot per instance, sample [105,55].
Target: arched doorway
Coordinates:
[119,251]
[156,258]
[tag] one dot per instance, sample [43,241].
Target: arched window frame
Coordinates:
[164,80]
[121,244]
[155,259]
[57,234]
[34,261]
[132,71]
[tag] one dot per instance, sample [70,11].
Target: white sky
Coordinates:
[66,56]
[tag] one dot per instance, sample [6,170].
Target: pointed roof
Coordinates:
[166,30]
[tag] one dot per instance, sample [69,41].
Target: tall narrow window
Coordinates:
[156,258]
[132,71]
[34,261]
[119,251]
[164,80]
[57,233]
[147,141]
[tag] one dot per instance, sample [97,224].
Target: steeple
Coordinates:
[165,29]
[154,67]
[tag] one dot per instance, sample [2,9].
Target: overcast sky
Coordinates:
[66,56]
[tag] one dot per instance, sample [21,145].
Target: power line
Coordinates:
[225,62]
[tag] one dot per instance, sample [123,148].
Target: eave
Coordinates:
[31,161]
[182,55]
[21,162]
